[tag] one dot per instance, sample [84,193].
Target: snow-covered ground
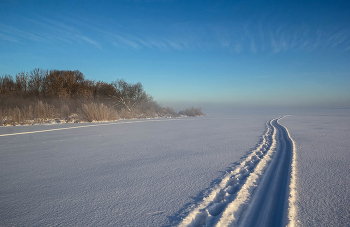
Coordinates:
[323,166]
[126,173]
[260,191]
[169,172]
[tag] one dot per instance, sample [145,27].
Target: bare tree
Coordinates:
[127,94]
[21,83]
[7,85]
[36,81]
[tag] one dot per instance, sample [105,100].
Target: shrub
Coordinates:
[44,110]
[192,112]
[98,112]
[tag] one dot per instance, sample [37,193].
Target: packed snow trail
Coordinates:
[270,207]
[257,192]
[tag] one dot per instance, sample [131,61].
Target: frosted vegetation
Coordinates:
[66,96]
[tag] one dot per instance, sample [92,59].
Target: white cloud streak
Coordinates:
[44,30]
[14,34]
[260,36]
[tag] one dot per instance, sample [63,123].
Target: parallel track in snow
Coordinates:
[259,192]
[270,208]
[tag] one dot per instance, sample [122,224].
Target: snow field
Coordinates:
[261,191]
[127,173]
[322,140]
[157,173]
[227,200]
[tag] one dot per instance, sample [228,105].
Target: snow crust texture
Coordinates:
[125,173]
[175,172]
[322,140]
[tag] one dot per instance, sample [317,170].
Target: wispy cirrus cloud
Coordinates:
[148,41]
[254,36]
[7,37]
[276,38]
[11,33]
[126,41]
[45,31]
[89,40]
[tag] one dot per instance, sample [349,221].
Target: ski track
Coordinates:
[260,191]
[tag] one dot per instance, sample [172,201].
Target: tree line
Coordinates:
[66,94]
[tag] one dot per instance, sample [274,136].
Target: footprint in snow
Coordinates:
[249,165]
[219,196]
[259,154]
[243,174]
[200,219]
[254,159]
[232,189]
[216,208]
[232,181]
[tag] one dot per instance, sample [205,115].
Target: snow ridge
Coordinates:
[240,196]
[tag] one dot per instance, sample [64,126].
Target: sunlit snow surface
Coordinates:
[143,173]
[154,172]
[323,166]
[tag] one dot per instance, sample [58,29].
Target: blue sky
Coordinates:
[200,52]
